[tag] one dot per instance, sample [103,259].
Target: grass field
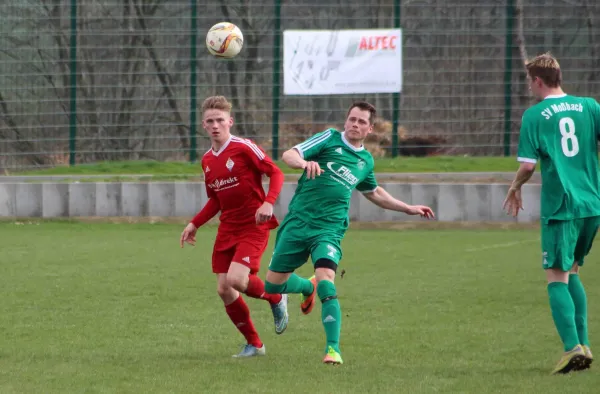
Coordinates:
[107,308]
[183,169]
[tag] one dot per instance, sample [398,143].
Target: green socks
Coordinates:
[331,314]
[563,313]
[294,285]
[580,301]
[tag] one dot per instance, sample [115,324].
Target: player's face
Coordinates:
[217,124]
[358,124]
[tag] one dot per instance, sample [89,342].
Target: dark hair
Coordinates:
[546,68]
[364,106]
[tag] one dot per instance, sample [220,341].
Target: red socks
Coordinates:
[240,316]
[256,289]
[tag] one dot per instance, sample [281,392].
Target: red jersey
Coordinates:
[233,179]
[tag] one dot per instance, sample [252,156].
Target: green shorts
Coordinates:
[297,240]
[567,241]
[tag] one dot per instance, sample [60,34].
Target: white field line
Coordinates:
[503,245]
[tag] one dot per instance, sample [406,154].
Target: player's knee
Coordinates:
[557,275]
[237,282]
[273,288]
[326,291]
[277,277]
[574,268]
[224,290]
[272,276]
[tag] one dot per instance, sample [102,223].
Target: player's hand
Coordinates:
[313,169]
[188,235]
[421,210]
[264,213]
[513,202]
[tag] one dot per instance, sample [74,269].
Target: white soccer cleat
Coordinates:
[251,351]
[280,314]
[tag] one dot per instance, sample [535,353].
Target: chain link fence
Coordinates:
[96,80]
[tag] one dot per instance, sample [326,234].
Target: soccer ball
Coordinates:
[224,40]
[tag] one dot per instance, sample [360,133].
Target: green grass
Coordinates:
[106,308]
[183,169]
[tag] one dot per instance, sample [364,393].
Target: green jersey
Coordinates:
[562,132]
[325,201]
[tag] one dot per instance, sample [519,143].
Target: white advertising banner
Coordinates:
[342,61]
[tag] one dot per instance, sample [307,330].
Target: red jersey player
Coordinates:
[233,170]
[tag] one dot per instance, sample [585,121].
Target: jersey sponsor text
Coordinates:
[221,184]
[343,172]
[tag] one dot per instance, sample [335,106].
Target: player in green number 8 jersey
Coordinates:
[335,164]
[562,132]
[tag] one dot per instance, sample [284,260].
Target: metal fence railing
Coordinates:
[86,81]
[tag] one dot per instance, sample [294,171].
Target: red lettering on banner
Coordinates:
[375,43]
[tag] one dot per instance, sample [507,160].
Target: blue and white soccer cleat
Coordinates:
[280,314]
[251,351]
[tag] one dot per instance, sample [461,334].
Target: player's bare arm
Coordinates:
[383,199]
[276,178]
[264,213]
[294,160]
[188,235]
[513,202]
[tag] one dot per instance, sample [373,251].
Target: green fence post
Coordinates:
[276,80]
[73,84]
[193,79]
[508,64]
[396,96]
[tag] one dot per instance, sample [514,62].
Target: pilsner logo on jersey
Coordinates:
[343,172]
[219,184]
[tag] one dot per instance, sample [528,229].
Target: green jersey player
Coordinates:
[335,164]
[562,132]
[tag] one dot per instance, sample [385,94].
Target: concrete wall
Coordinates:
[451,202]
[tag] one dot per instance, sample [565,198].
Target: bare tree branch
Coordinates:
[162,75]
[593,44]
[20,145]
[520,31]
[130,72]
[232,73]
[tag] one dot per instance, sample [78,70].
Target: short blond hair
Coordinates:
[216,102]
[546,68]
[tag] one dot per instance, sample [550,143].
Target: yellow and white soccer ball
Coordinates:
[224,40]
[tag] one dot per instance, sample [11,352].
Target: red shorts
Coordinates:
[245,248]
